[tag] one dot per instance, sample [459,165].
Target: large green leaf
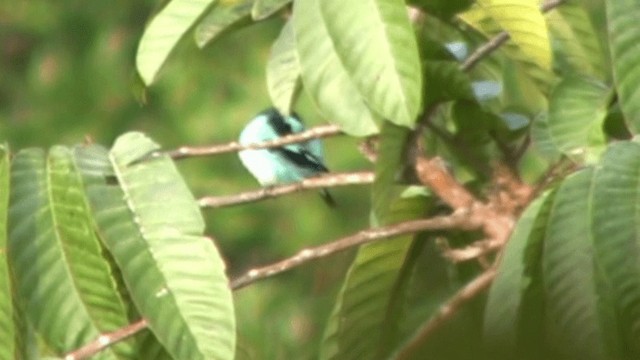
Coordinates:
[576,310]
[223,15]
[624,36]
[616,229]
[283,70]
[525,24]
[52,272]
[324,76]
[575,41]
[262,9]
[164,32]
[152,225]
[7,326]
[515,281]
[577,109]
[376,43]
[367,294]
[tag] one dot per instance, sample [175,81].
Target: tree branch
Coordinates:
[445,313]
[324,181]
[455,220]
[105,340]
[234,146]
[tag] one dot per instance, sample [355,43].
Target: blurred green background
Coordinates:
[67,72]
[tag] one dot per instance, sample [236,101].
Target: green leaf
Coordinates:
[223,15]
[525,24]
[164,32]
[514,282]
[152,225]
[624,36]
[52,272]
[324,76]
[262,9]
[575,308]
[575,41]
[367,294]
[7,326]
[283,70]
[577,109]
[616,229]
[376,43]
[480,19]
[446,82]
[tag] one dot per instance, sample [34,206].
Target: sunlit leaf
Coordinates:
[152,225]
[324,76]
[222,15]
[283,70]
[164,32]
[42,259]
[7,325]
[525,24]
[376,43]
[624,36]
[262,9]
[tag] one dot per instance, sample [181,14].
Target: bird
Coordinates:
[286,164]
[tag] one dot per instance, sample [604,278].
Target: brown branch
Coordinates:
[434,174]
[495,42]
[445,313]
[473,251]
[455,220]
[105,340]
[234,146]
[325,181]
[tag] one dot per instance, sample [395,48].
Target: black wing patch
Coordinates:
[303,159]
[277,123]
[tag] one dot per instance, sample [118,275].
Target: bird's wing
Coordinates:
[302,158]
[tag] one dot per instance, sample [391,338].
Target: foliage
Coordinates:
[93,239]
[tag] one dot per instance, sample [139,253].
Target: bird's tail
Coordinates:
[328,199]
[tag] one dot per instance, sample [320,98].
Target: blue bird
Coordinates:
[286,164]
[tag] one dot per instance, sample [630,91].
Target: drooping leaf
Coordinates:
[164,32]
[262,9]
[624,36]
[616,211]
[283,70]
[7,325]
[41,260]
[324,76]
[577,110]
[376,43]
[367,294]
[514,282]
[575,41]
[151,224]
[576,310]
[223,14]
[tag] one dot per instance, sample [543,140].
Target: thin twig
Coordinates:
[105,340]
[455,220]
[324,181]
[445,313]
[473,251]
[234,146]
